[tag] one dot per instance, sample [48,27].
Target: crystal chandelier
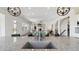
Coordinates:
[14,11]
[62,11]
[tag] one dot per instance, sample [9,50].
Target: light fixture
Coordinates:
[62,11]
[14,11]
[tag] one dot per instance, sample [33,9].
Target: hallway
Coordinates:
[39,28]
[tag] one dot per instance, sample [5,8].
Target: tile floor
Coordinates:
[61,43]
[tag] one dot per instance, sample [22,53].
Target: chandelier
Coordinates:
[14,11]
[62,11]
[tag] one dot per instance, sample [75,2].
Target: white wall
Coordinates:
[73,24]
[9,24]
[2,25]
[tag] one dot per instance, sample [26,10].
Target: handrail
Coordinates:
[62,32]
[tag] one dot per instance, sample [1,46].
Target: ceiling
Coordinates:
[36,14]
[40,13]
[44,14]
